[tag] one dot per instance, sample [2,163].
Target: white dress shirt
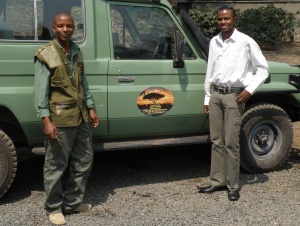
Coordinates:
[236,62]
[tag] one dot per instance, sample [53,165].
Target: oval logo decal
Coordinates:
[155,101]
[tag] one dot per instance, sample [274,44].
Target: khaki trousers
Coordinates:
[225,119]
[73,147]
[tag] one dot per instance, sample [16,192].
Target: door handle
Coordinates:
[126,79]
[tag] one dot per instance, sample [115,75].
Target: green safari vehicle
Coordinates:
[145,63]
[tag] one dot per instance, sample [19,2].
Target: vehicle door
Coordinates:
[147,95]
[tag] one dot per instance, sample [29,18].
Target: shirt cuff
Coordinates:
[251,89]
[206,100]
[43,113]
[90,103]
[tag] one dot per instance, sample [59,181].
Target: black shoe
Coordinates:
[233,195]
[211,189]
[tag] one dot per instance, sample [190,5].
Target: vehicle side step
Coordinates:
[134,144]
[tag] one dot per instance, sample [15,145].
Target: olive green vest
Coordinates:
[66,98]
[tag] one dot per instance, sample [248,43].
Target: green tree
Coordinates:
[268,25]
[205,19]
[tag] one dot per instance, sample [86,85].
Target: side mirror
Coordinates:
[178,62]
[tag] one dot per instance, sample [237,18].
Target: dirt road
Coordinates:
[289,53]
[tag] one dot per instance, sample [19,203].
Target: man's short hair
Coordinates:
[223,7]
[62,13]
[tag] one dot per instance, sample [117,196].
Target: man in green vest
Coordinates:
[63,100]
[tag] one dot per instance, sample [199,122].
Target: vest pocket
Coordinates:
[59,107]
[65,116]
[60,83]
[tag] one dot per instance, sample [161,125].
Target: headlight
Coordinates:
[294,79]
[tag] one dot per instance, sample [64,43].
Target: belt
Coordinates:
[226,90]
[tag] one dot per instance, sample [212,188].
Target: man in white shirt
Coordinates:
[236,69]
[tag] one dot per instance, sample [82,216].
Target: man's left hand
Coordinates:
[243,97]
[94,117]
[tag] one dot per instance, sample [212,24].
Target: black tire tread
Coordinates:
[252,111]
[13,161]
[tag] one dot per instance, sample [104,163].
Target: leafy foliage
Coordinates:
[268,25]
[19,11]
[19,16]
[206,20]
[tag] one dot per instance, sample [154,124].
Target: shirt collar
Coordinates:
[75,48]
[233,37]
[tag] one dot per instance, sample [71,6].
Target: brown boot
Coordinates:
[57,218]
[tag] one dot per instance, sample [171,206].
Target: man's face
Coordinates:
[226,20]
[63,26]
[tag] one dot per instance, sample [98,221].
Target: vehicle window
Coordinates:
[144,33]
[33,19]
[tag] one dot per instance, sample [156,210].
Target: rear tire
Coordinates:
[266,138]
[8,162]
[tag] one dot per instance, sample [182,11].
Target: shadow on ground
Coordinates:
[189,165]
[119,169]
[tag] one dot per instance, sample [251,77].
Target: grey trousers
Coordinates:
[73,147]
[225,119]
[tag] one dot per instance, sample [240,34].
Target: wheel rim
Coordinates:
[265,139]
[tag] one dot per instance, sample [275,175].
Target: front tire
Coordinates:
[266,138]
[8,162]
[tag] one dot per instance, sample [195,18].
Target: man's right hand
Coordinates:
[206,109]
[49,128]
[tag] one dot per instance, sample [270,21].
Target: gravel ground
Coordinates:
[158,187]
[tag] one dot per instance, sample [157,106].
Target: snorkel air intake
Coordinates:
[182,9]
